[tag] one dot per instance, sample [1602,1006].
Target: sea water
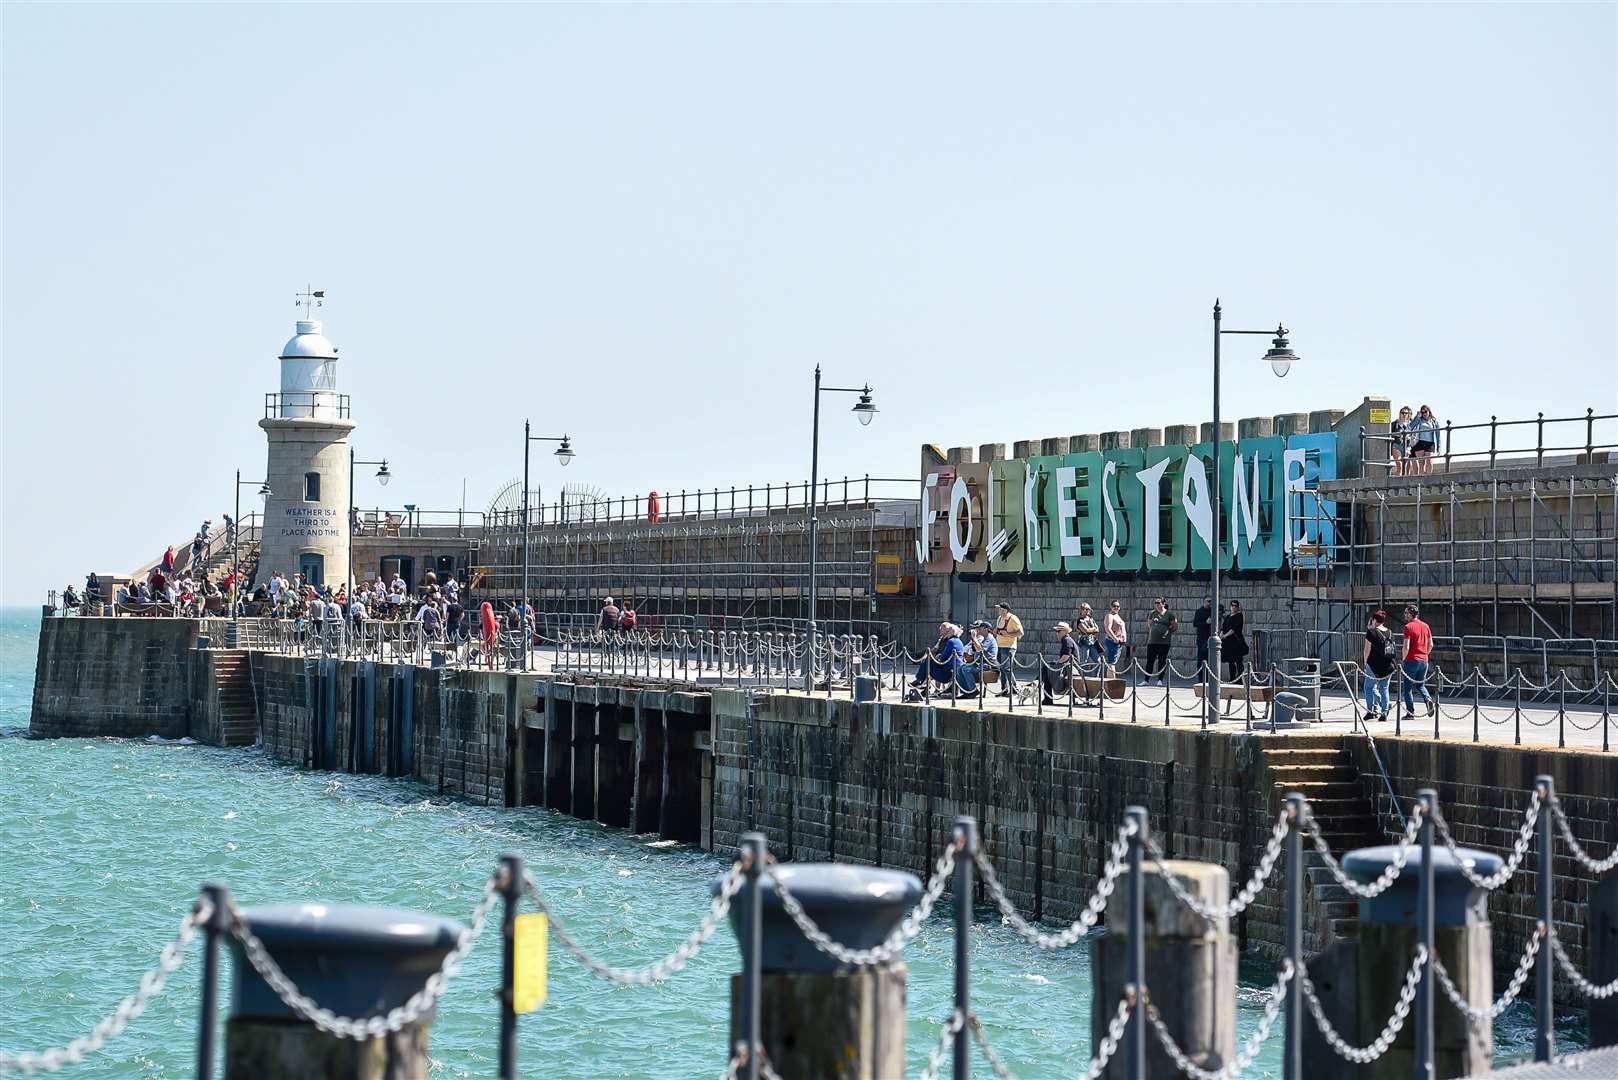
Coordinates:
[103,843]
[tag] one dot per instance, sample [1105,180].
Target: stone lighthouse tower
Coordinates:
[306,518]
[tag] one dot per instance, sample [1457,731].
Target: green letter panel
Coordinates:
[1047,557]
[1085,524]
[1263,551]
[1170,514]
[1005,481]
[1200,558]
[1122,530]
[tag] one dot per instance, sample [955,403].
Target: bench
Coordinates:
[1238,692]
[1086,687]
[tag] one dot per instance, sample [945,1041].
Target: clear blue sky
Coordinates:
[645,225]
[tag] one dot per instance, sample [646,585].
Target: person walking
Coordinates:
[1114,636]
[1418,651]
[1160,627]
[1008,632]
[1233,641]
[1378,661]
[1202,625]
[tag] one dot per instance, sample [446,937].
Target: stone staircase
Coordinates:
[237,704]
[1329,779]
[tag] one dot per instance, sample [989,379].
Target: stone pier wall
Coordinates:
[105,676]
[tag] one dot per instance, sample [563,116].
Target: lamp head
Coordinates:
[564,453]
[383,476]
[1281,357]
[863,408]
[264,491]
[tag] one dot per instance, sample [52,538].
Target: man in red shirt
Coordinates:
[1418,651]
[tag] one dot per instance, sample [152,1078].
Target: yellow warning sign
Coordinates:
[532,936]
[1381,416]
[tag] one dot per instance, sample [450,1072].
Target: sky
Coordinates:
[645,226]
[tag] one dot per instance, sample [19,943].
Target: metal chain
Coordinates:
[1115,1034]
[935,1058]
[1599,991]
[738,1058]
[896,941]
[659,970]
[996,1065]
[416,1006]
[1525,836]
[1595,866]
[1234,907]
[1513,988]
[1087,919]
[1389,874]
[113,1024]
[1379,1045]
[1250,1049]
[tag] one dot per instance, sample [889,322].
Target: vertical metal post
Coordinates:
[1135,1033]
[511,882]
[1292,1054]
[1544,1006]
[218,923]
[1494,422]
[1424,934]
[814,475]
[755,850]
[966,842]
[1211,676]
[1494,533]
[522,592]
[1539,441]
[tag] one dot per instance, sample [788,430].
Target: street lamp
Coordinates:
[382,477]
[232,635]
[565,455]
[866,411]
[1281,358]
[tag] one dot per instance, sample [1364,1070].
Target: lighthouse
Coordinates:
[307,424]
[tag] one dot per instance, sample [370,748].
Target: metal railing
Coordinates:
[1486,443]
[962,859]
[306,403]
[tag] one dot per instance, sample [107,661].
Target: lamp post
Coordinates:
[233,633]
[1281,358]
[866,412]
[382,477]
[565,455]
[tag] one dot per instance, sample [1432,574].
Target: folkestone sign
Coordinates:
[1131,511]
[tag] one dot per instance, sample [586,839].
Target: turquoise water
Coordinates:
[104,842]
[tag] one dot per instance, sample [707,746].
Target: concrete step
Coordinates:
[1288,774]
[1316,790]
[1306,757]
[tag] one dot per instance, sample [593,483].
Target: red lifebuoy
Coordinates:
[652,507]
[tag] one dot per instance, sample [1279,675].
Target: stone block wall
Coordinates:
[103,676]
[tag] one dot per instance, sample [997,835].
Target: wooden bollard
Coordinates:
[1190,968]
[1461,938]
[1602,949]
[818,1018]
[358,961]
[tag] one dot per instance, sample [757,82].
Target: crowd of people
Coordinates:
[962,657]
[1412,442]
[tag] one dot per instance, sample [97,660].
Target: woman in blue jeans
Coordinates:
[1378,663]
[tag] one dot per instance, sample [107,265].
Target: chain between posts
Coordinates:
[1234,907]
[1249,1051]
[416,1006]
[896,941]
[1481,1016]
[1062,939]
[1388,876]
[659,970]
[1595,866]
[1525,837]
[1390,1031]
[738,1061]
[1598,991]
[114,1023]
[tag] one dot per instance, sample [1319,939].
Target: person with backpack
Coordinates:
[1377,659]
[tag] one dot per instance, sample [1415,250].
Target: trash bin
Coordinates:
[865,688]
[1302,677]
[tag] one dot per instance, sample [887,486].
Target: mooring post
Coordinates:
[510,885]
[356,960]
[1292,1059]
[817,1016]
[1135,1034]
[1602,952]
[1431,903]
[755,850]
[1544,972]
[966,844]
[217,894]
[1428,798]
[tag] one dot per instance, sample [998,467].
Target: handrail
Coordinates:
[1493,451]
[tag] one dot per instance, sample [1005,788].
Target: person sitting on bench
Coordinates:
[982,655]
[1056,674]
[945,659]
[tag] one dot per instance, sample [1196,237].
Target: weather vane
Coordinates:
[310,299]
